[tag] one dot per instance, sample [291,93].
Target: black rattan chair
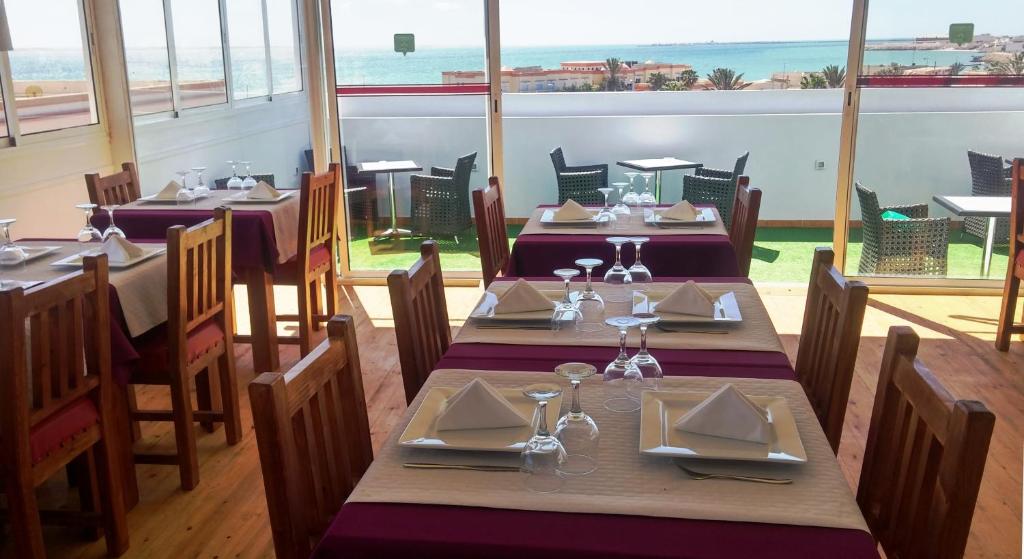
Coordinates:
[440,201]
[988,178]
[708,190]
[918,246]
[222,184]
[360,196]
[579,182]
[737,170]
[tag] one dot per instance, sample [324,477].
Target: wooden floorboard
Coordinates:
[226,515]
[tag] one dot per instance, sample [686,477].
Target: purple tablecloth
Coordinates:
[252,232]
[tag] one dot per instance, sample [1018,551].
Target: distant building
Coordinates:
[569,75]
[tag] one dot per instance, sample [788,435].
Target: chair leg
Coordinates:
[306,319]
[315,289]
[208,395]
[133,406]
[225,369]
[25,524]
[184,432]
[1006,313]
[84,468]
[112,491]
[331,285]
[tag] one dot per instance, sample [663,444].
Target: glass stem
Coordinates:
[565,298]
[575,408]
[542,420]
[643,338]
[618,259]
[110,214]
[589,287]
[622,346]
[637,260]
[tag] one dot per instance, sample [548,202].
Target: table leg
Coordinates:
[657,186]
[986,258]
[392,231]
[263,320]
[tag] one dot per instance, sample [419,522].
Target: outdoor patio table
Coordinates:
[390,167]
[658,166]
[675,255]
[992,207]
[255,252]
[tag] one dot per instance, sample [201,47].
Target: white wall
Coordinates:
[912,142]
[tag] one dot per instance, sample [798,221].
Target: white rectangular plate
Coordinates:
[152,199]
[727,309]
[240,198]
[484,311]
[33,253]
[659,412]
[548,219]
[705,216]
[422,432]
[75,260]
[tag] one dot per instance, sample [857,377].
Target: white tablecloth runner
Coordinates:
[636,228]
[625,482]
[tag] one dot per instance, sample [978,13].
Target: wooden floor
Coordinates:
[226,515]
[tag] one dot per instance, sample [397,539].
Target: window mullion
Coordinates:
[266,48]
[10,111]
[225,48]
[172,58]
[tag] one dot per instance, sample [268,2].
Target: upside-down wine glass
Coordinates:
[249,181]
[565,308]
[201,190]
[590,303]
[620,208]
[112,230]
[638,272]
[576,430]
[605,216]
[643,360]
[184,195]
[10,253]
[88,233]
[617,277]
[235,181]
[631,198]
[543,457]
[646,198]
[623,378]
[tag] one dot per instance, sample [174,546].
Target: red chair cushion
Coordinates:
[154,351]
[287,273]
[61,428]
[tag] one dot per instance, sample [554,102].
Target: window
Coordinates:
[248,49]
[284,54]
[3,116]
[51,71]
[198,53]
[147,57]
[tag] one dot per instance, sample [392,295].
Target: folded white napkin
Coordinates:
[169,192]
[263,191]
[522,297]
[120,251]
[478,405]
[688,298]
[730,414]
[682,211]
[572,211]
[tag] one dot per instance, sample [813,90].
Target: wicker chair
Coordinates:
[917,246]
[440,201]
[579,182]
[360,196]
[709,190]
[222,184]
[737,170]
[988,178]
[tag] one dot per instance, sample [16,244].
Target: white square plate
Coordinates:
[33,253]
[484,311]
[75,260]
[727,309]
[705,216]
[659,412]
[548,218]
[422,432]
[241,198]
[152,199]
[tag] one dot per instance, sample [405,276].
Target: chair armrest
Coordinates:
[937,227]
[419,183]
[442,172]
[595,174]
[712,173]
[911,210]
[581,168]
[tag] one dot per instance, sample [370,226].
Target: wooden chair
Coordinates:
[829,339]
[119,188]
[315,266]
[57,404]
[743,229]
[1015,270]
[923,459]
[313,437]
[421,317]
[196,344]
[491,234]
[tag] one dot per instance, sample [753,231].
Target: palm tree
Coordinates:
[813,81]
[688,79]
[1014,66]
[726,79]
[834,75]
[956,67]
[614,67]
[657,81]
[893,69]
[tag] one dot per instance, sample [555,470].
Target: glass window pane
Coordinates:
[50,66]
[284,54]
[198,53]
[145,49]
[248,51]
[3,115]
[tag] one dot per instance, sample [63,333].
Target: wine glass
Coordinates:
[646,198]
[605,216]
[200,190]
[88,233]
[622,376]
[543,456]
[235,181]
[248,182]
[618,275]
[643,360]
[566,308]
[620,208]
[112,230]
[10,253]
[638,272]
[578,434]
[589,302]
[631,198]
[184,195]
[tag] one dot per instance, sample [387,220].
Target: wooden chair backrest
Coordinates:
[55,343]
[923,460]
[318,213]
[829,338]
[118,188]
[743,229]
[199,280]
[491,234]
[421,317]
[313,437]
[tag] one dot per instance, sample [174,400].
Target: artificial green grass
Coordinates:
[781,254]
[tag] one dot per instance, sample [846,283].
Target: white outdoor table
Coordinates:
[657,166]
[390,167]
[992,207]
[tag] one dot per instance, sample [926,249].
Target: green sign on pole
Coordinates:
[405,43]
[961,33]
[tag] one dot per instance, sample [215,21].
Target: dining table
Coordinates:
[658,166]
[634,505]
[699,251]
[264,237]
